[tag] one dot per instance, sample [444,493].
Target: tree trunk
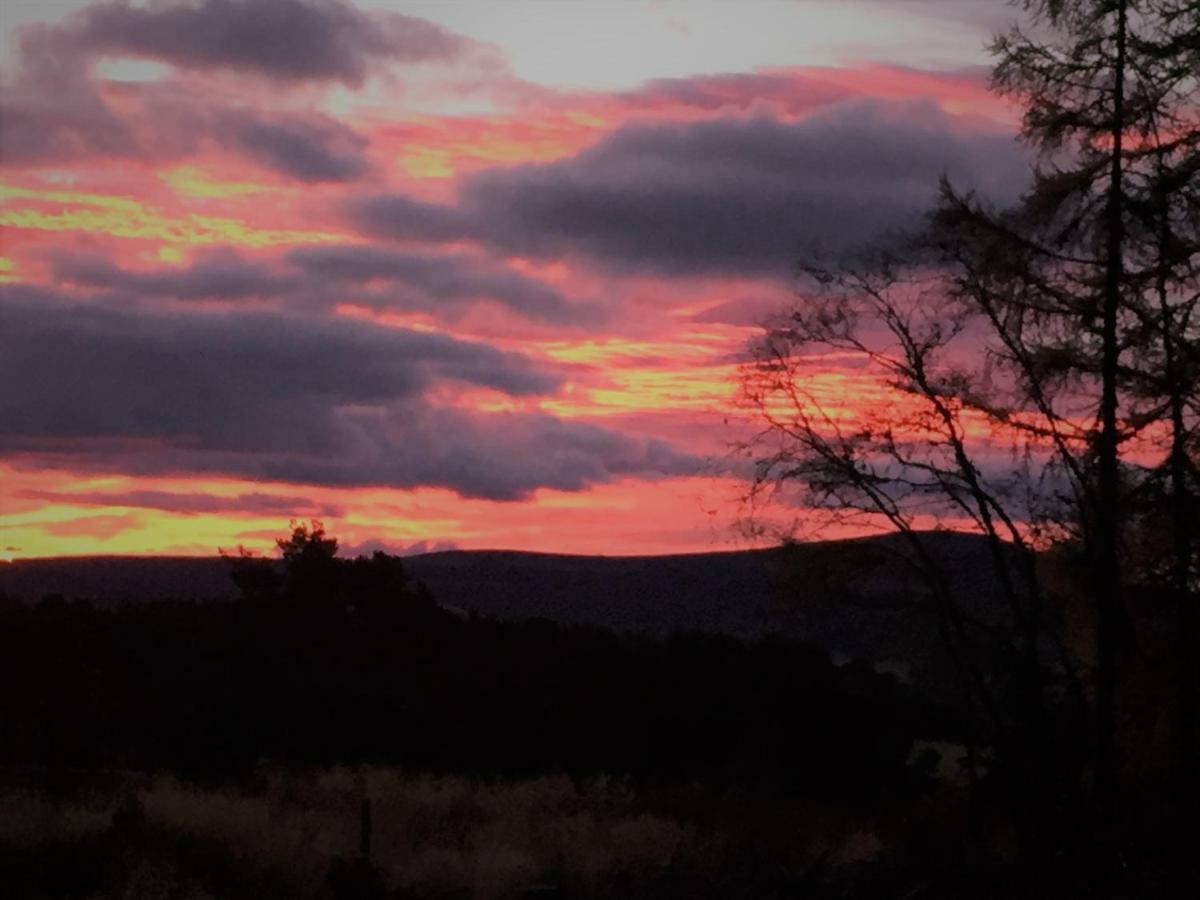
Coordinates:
[1181,508]
[1107,568]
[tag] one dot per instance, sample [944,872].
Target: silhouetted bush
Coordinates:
[310,575]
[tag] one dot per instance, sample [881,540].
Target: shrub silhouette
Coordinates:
[311,565]
[310,575]
[257,579]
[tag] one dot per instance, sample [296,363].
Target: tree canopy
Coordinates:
[311,575]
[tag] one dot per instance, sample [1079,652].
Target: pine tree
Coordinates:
[1077,309]
[1098,282]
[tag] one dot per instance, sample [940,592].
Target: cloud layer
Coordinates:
[444,285]
[732,195]
[290,40]
[260,250]
[285,398]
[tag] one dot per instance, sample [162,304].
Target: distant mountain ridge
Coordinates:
[655,594]
[856,598]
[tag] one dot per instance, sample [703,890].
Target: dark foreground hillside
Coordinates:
[220,751]
[343,733]
[212,689]
[213,748]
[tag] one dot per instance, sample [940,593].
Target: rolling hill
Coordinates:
[858,599]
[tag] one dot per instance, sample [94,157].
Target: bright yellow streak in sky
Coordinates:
[190,181]
[645,375]
[126,217]
[426,162]
[441,149]
[553,521]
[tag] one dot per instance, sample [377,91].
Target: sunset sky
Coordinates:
[471,274]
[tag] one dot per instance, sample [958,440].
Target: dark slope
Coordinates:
[718,592]
[727,593]
[856,598]
[112,580]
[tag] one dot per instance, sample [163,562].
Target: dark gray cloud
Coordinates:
[43,126]
[498,456]
[753,310]
[741,195]
[268,396]
[81,369]
[309,148]
[36,131]
[52,111]
[217,275]
[430,281]
[253,503]
[399,217]
[288,40]
[732,195]
[49,109]
[445,285]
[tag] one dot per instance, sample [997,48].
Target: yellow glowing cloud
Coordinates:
[128,218]
[441,149]
[426,162]
[554,521]
[666,389]
[189,181]
[641,375]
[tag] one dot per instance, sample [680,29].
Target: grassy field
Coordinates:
[290,834]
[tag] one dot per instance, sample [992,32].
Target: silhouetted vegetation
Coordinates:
[310,575]
[328,662]
[1041,377]
[1039,371]
[212,689]
[742,767]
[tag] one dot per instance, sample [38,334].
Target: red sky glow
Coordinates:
[434,273]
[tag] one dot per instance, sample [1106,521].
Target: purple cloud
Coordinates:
[444,285]
[287,40]
[53,111]
[734,195]
[310,148]
[321,400]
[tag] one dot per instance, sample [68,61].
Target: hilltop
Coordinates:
[856,598]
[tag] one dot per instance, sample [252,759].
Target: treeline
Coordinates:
[211,690]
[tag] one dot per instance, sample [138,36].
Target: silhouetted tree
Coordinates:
[310,575]
[1019,353]
[912,460]
[257,578]
[376,580]
[1092,285]
[312,568]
